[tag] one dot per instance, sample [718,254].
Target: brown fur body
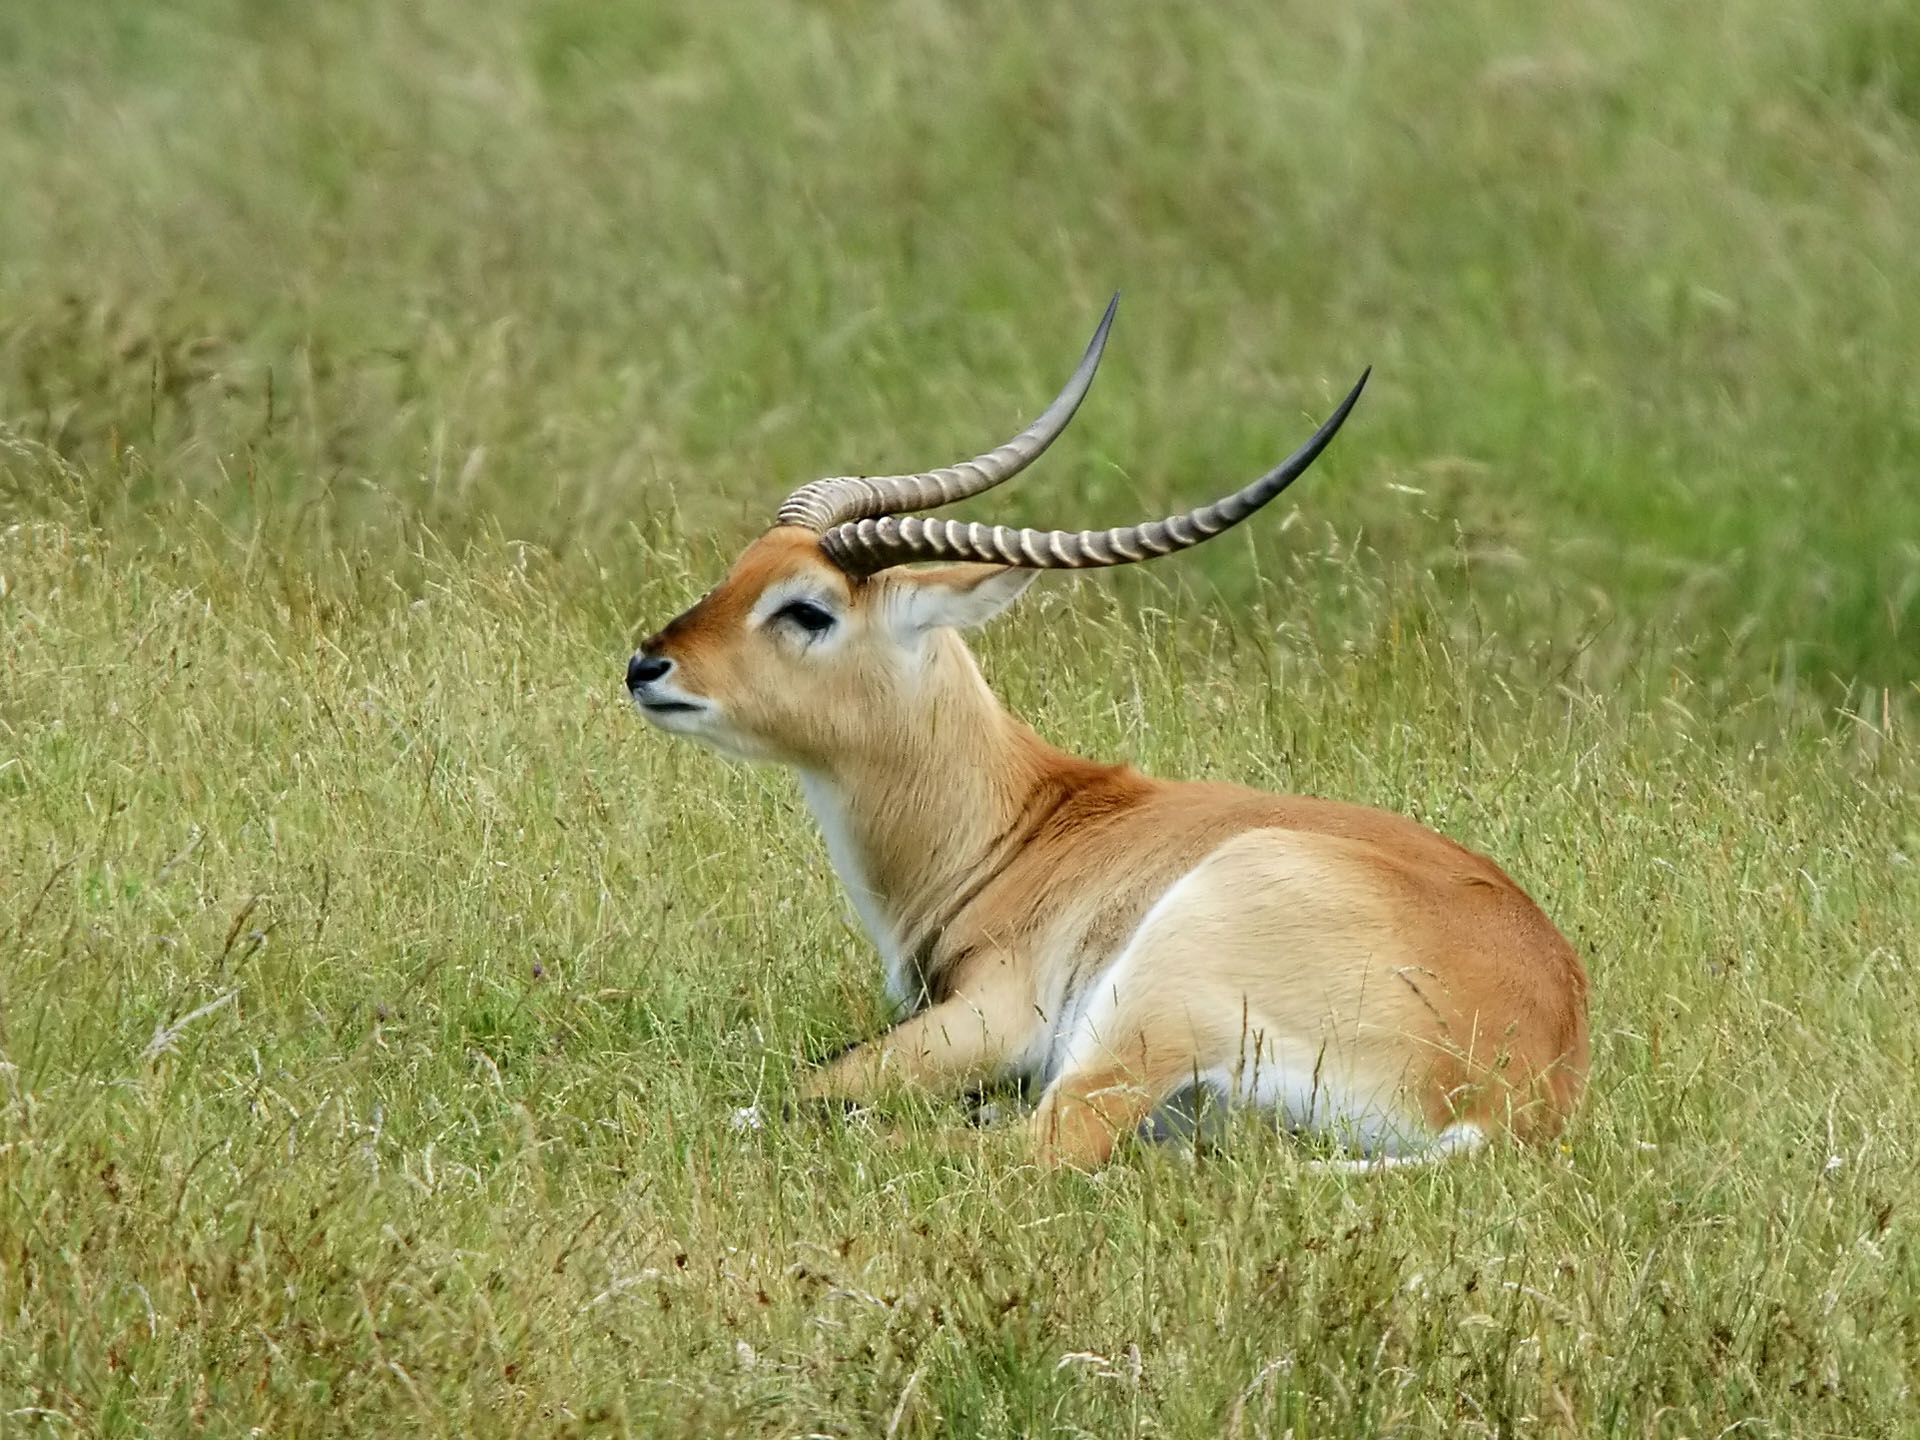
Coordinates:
[1116,937]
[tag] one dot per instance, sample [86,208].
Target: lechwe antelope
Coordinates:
[1119,938]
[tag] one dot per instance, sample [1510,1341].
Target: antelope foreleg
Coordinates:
[964,1040]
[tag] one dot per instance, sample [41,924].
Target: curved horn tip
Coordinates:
[1106,320]
[1339,416]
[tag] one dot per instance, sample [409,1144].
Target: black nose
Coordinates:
[644,669]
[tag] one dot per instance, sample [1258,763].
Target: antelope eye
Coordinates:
[813,619]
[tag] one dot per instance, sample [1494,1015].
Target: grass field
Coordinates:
[376,989]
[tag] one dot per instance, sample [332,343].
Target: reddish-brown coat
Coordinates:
[1005,876]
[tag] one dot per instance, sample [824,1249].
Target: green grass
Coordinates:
[376,991]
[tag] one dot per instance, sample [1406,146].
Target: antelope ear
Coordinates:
[958,595]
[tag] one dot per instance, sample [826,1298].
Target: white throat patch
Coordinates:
[831,815]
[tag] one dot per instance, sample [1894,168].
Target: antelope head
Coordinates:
[818,645]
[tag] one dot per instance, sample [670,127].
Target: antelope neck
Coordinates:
[919,818]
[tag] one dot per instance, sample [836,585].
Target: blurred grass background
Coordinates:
[1639,280]
[375,990]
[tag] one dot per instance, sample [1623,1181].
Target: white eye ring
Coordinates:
[811,619]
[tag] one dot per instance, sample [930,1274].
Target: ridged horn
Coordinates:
[868,545]
[819,505]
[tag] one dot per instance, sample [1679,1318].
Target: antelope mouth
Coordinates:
[669,707]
